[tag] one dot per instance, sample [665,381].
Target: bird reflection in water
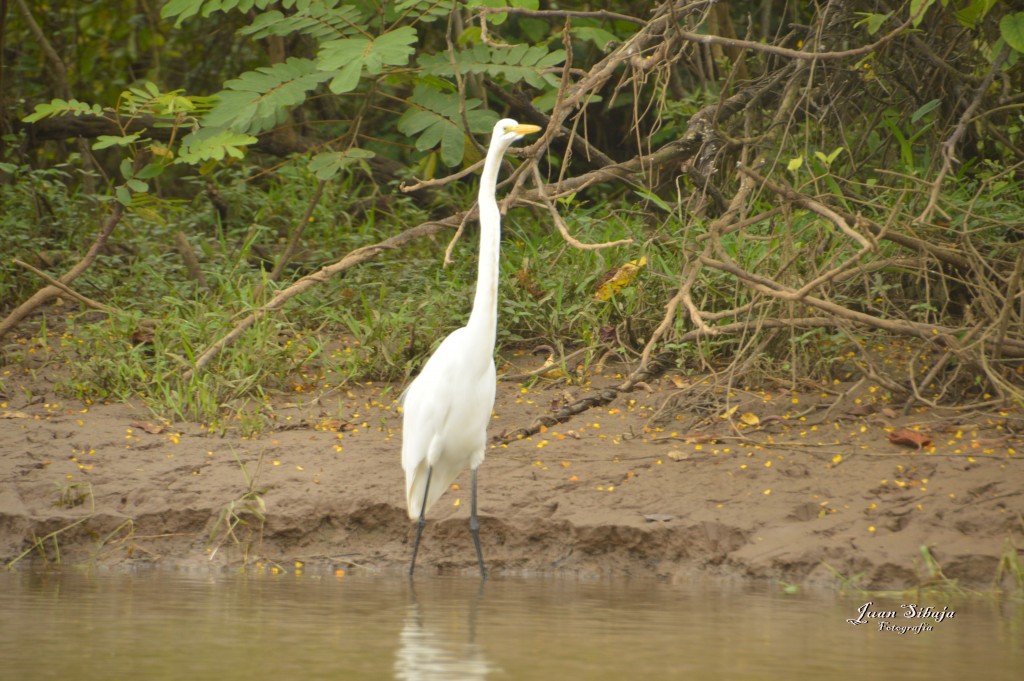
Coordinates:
[433,646]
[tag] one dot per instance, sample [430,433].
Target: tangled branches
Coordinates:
[821,239]
[831,177]
[801,223]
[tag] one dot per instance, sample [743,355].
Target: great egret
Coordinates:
[447,407]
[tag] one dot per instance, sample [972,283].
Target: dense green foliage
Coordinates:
[880,188]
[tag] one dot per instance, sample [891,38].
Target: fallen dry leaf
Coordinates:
[699,438]
[151,428]
[527,283]
[14,415]
[679,381]
[909,438]
[550,369]
[617,279]
[749,419]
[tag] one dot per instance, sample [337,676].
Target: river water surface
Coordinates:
[155,625]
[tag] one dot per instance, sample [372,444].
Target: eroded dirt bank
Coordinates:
[784,498]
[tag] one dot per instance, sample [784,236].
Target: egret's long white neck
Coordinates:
[485,303]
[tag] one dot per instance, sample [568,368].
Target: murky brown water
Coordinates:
[171,625]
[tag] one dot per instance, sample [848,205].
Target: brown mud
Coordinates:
[674,481]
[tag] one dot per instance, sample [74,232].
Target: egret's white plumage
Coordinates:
[447,407]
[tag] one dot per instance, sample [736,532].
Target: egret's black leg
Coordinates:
[422,521]
[474,529]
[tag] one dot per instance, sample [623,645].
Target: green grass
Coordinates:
[380,320]
[241,519]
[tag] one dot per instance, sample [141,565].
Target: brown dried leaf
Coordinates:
[909,438]
[527,283]
[859,410]
[151,428]
[699,438]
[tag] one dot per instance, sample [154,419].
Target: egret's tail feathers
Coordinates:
[416,483]
[414,488]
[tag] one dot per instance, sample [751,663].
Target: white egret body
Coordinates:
[447,407]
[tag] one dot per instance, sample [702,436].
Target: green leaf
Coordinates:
[514,64]
[794,164]
[58,107]
[213,144]
[258,100]
[653,198]
[150,170]
[924,110]
[345,59]
[328,164]
[918,8]
[106,141]
[321,20]
[873,21]
[123,195]
[418,10]
[595,34]
[1011,27]
[185,9]
[137,186]
[497,19]
[973,12]
[826,159]
[434,116]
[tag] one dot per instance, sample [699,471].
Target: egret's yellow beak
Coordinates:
[524,129]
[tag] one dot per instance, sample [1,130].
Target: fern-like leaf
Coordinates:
[59,107]
[105,141]
[185,9]
[346,58]
[213,144]
[329,163]
[321,20]
[435,119]
[497,19]
[258,100]
[518,63]
[424,11]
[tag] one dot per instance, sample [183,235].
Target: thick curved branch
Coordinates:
[563,229]
[944,335]
[50,291]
